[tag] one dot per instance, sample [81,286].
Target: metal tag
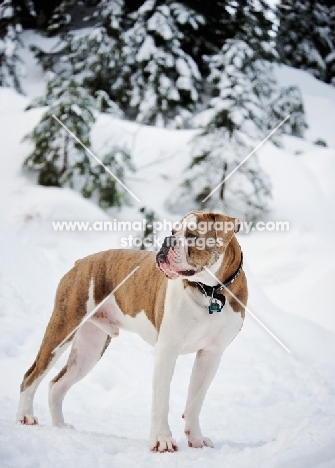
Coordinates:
[215,306]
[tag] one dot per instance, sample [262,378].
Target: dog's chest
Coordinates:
[191,324]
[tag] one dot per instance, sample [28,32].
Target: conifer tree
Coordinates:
[94,55]
[245,107]
[243,87]
[56,155]
[97,182]
[59,159]
[144,60]
[164,80]
[304,36]
[10,43]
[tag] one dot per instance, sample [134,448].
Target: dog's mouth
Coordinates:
[164,266]
[168,264]
[186,272]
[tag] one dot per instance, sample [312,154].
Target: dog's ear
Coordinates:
[237,224]
[230,224]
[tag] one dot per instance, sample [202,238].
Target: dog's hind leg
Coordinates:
[88,346]
[71,304]
[44,361]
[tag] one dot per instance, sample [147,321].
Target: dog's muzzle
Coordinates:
[162,261]
[165,259]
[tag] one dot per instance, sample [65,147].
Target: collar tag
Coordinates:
[216,305]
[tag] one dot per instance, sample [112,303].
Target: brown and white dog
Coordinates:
[168,306]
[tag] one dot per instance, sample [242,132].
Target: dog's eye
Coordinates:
[189,235]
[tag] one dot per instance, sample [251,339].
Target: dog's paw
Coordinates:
[164,444]
[28,420]
[64,425]
[198,442]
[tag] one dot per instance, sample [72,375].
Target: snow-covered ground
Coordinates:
[266,408]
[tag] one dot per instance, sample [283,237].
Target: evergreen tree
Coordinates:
[146,60]
[59,159]
[243,87]
[10,43]
[246,106]
[304,36]
[162,80]
[98,183]
[56,155]
[95,56]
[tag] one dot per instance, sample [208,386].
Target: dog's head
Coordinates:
[198,241]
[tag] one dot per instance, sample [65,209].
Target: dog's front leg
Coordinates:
[205,366]
[160,435]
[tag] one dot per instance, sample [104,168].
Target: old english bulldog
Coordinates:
[188,298]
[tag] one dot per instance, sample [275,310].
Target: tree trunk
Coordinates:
[223,186]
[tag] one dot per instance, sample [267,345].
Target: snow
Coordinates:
[158,24]
[265,408]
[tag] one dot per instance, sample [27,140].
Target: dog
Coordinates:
[190,297]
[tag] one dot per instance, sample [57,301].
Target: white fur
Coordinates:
[86,350]
[188,327]
[90,304]
[25,411]
[141,325]
[114,319]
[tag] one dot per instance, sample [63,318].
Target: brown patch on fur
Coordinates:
[232,259]
[107,269]
[108,340]
[59,375]
[147,284]
[69,309]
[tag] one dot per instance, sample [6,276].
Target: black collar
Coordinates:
[214,291]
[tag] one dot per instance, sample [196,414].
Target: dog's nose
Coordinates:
[161,257]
